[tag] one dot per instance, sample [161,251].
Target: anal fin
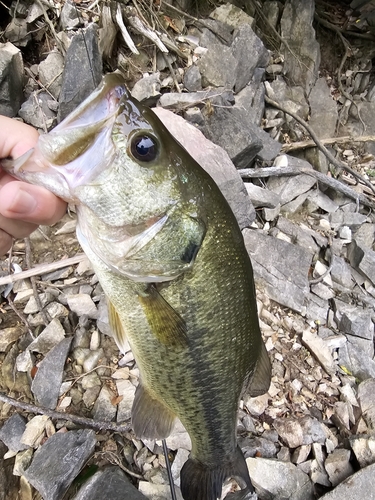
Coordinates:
[200,481]
[151,419]
[165,323]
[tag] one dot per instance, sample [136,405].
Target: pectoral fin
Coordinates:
[116,326]
[261,379]
[151,419]
[165,323]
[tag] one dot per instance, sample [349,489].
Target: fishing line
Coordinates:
[168,464]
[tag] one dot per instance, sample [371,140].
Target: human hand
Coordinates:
[22,206]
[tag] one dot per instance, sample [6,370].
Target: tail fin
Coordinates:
[202,482]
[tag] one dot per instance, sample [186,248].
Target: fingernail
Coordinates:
[23,203]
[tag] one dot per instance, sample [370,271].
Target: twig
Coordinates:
[87,422]
[286,148]
[114,459]
[42,269]
[52,28]
[254,173]
[173,73]
[337,163]
[29,264]
[21,316]
[144,30]
[127,38]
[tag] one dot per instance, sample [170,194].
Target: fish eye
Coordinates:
[144,148]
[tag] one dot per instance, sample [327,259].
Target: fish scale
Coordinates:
[171,260]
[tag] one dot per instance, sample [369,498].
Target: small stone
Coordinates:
[12,432]
[158,491]
[178,438]
[126,390]
[48,338]
[92,359]
[104,409]
[320,350]
[11,79]
[95,340]
[147,90]
[25,361]
[256,406]
[83,304]
[301,453]
[193,79]
[34,431]
[69,17]
[366,396]
[364,449]
[50,71]
[179,460]
[357,486]
[22,462]
[8,336]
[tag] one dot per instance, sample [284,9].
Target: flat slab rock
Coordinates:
[215,161]
[358,486]
[109,482]
[280,268]
[58,461]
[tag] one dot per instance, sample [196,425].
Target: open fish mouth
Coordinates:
[80,147]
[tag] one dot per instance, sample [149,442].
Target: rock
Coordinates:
[69,17]
[50,71]
[11,433]
[181,101]
[338,466]
[258,447]
[355,358]
[126,390]
[11,378]
[232,15]
[362,259]
[48,378]
[289,188]
[249,52]
[193,79]
[301,453]
[9,484]
[317,199]
[340,272]
[11,79]
[58,461]
[104,409]
[301,235]
[257,405]
[261,197]
[17,32]
[298,432]
[366,396]
[82,72]
[351,219]
[297,30]
[280,268]
[108,482]
[179,460]
[320,351]
[147,89]
[83,304]
[215,161]
[251,97]
[8,336]
[179,438]
[158,491]
[357,322]
[364,449]
[279,480]
[34,431]
[359,485]
[48,338]
[364,235]
[36,111]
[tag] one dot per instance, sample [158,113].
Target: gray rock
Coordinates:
[36,111]
[147,89]
[103,409]
[82,304]
[338,466]
[12,431]
[251,97]
[8,336]
[323,110]
[296,28]
[58,461]
[356,321]
[261,197]
[9,483]
[48,378]
[362,259]
[301,453]
[302,236]
[289,188]
[297,432]
[292,98]
[320,350]
[158,491]
[279,480]
[364,449]
[193,79]
[109,482]
[351,219]
[11,79]
[82,72]
[250,53]
[340,272]
[317,199]
[50,71]
[126,390]
[258,447]
[48,338]
[232,15]
[17,32]
[178,462]
[365,235]
[69,17]
[366,396]
[359,485]
[280,268]
[355,358]
[215,161]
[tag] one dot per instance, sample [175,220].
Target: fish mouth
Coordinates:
[80,147]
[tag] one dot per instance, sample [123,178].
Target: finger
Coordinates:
[18,139]
[16,228]
[30,203]
[5,242]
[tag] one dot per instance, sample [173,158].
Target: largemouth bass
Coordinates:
[171,259]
